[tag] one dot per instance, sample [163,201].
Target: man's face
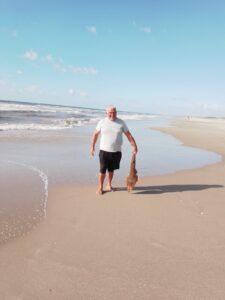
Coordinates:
[111,114]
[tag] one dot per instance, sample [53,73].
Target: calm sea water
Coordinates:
[47,145]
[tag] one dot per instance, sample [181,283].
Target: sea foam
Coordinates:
[44,179]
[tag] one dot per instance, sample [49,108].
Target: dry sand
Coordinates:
[166,240]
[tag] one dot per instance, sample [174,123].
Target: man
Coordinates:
[111,130]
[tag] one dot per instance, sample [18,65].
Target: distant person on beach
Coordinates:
[111,130]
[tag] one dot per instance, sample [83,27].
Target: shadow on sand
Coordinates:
[174,188]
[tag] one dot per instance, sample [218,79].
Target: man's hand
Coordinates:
[92,151]
[94,139]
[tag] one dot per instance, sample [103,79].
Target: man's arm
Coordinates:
[93,142]
[132,141]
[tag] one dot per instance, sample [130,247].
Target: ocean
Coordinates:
[47,145]
[31,116]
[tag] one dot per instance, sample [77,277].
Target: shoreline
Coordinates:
[193,140]
[165,240]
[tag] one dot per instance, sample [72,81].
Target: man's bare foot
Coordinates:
[110,189]
[99,192]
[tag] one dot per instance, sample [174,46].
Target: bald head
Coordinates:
[110,108]
[111,112]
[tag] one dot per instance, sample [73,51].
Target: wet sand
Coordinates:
[165,240]
[22,201]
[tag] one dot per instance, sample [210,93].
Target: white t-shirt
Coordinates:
[111,134]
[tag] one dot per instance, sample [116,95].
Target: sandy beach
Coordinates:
[165,240]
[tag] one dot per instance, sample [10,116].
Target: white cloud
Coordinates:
[74,92]
[19,72]
[91,29]
[146,29]
[85,71]
[30,55]
[60,67]
[58,64]
[48,58]
[71,91]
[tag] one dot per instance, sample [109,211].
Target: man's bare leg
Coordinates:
[110,177]
[101,178]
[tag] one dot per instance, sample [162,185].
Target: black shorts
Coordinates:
[109,161]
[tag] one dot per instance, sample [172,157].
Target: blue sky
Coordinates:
[149,56]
